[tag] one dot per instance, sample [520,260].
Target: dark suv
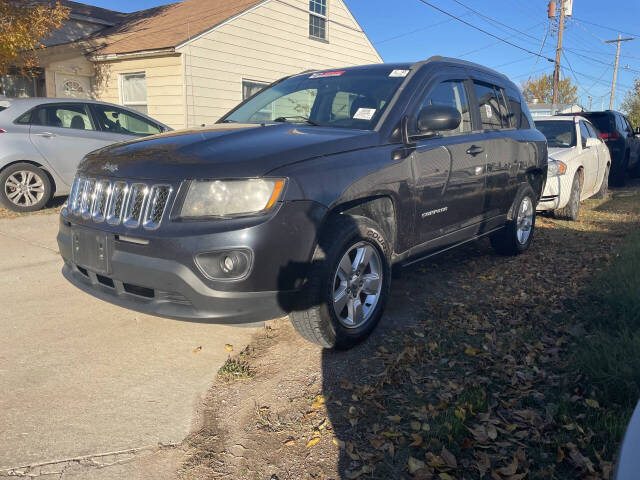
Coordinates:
[622,140]
[301,199]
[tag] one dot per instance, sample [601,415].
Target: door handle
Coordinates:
[45,134]
[475,150]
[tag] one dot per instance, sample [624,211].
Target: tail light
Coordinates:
[609,135]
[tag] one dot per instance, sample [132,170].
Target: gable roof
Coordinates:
[90,12]
[164,27]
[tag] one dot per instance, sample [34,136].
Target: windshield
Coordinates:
[345,99]
[559,133]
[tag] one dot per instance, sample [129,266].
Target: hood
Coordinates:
[562,154]
[222,151]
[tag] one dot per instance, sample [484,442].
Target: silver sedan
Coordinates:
[42,141]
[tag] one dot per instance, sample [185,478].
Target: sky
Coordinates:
[409,30]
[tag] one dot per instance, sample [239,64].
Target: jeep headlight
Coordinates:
[224,198]
[556,168]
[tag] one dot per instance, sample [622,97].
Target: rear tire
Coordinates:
[572,209]
[517,234]
[635,171]
[604,186]
[338,293]
[24,187]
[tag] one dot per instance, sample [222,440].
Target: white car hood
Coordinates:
[563,154]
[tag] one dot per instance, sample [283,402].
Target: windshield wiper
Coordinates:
[301,117]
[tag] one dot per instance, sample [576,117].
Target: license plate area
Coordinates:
[92,249]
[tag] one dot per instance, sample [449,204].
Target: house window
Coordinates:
[318,19]
[250,88]
[133,91]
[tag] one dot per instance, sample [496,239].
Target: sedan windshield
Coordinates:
[344,99]
[559,133]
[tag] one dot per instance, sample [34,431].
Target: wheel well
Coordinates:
[379,209]
[40,166]
[580,172]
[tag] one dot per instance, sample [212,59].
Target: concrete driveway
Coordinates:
[80,377]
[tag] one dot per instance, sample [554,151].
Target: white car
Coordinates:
[579,164]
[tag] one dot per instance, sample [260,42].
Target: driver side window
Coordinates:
[451,93]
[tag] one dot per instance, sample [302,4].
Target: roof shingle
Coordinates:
[165,26]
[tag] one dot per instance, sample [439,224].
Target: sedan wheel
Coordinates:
[25,187]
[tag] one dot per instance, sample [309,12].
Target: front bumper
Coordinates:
[556,193]
[161,278]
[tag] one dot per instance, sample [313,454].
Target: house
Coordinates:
[546,109]
[188,63]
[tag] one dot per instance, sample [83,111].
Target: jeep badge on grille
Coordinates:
[110,167]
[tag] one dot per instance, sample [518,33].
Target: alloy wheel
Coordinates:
[524,221]
[357,285]
[24,188]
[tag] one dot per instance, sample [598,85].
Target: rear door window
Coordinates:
[517,117]
[451,93]
[493,111]
[75,116]
[591,130]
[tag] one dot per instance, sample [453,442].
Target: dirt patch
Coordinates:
[468,375]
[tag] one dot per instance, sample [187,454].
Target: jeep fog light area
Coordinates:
[301,199]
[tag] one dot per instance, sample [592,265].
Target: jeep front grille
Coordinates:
[119,202]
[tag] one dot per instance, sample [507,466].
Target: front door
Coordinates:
[589,160]
[449,170]
[64,133]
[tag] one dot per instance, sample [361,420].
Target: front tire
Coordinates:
[604,186]
[348,284]
[517,234]
[572,208]
[24,187]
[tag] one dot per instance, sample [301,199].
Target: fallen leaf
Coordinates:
[291,442]
[312,442]
[449,458]
[338,443]
[394,418]
[228,348]
[492,433]
[592,403]
[509,469]
[414,465]
[471,351]
[197,349]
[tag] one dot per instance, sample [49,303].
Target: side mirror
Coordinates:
[592,142]
[637,131]
[438,118]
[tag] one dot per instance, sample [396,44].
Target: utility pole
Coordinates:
[556,70]
[615,69]
[590,102]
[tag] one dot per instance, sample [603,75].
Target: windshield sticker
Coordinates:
[327,74]
[399,73]
[365,114]
[487,109]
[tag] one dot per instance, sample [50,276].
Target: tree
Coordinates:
[23,26]
[631,104]
[542,89]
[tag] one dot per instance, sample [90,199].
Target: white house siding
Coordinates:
[165,91]
[263,44]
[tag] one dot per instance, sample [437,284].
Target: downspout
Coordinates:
[184,89]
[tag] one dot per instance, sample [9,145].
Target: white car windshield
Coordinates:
[559,133]
[350,98]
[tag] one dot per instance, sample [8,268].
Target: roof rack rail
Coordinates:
[457,61]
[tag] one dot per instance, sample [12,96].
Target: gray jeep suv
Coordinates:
[301,199]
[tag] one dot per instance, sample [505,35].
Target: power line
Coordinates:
[605,27]
[546,34]
[485,32]
[496,21]
[417,30]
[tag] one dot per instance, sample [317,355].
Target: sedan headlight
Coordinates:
[224,198]
[556,168]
